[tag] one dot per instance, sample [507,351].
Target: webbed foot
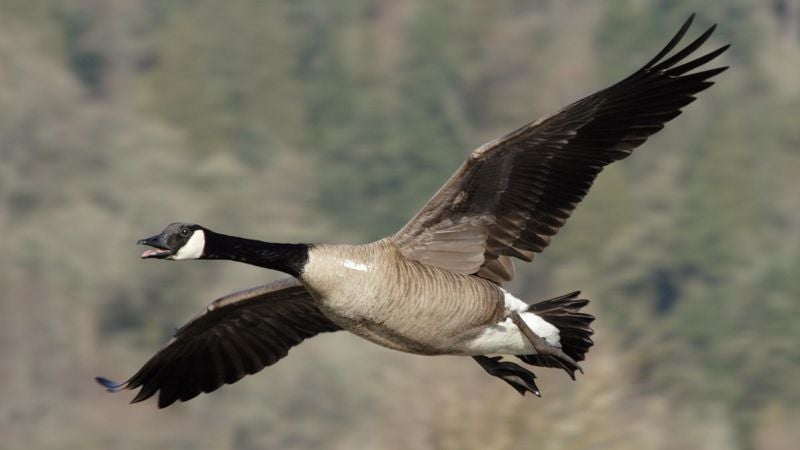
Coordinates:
[522,380]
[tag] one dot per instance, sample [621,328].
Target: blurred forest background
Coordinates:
[335,121]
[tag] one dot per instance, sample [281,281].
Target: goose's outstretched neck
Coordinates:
[288,258]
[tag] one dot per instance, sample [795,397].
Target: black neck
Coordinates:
[288,258]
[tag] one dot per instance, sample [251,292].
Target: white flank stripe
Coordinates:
[355,266]
[193,248]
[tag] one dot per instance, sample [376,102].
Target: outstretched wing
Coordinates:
[236,335]
[513,194]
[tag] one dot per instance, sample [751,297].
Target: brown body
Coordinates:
[368,290]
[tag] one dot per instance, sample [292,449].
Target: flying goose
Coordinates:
[436,286]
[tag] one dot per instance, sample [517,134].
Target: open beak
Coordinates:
[159,250]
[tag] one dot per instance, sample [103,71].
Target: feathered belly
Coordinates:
[405,306]
[430,329]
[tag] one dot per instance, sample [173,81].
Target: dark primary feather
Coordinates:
[514,193]
[236,335]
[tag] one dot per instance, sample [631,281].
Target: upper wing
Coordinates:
[514,193]
[236,335]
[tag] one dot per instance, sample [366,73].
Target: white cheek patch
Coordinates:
[193,248]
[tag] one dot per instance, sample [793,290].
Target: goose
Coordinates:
[436,286]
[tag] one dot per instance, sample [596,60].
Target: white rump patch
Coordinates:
[541,327]
[350,264]
[505,338]
[193,248]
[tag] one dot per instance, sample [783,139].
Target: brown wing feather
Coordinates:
[236,335]
[517,191]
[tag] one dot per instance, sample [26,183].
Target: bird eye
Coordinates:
[184,231]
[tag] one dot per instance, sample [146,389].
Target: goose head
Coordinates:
[178,241]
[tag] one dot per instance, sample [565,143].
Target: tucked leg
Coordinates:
[519,378]
[546,351]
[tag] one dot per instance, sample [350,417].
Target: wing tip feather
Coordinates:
[111,385]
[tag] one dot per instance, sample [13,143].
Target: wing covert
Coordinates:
[514,193]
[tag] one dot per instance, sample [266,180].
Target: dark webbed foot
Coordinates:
[519,378]
[546,354]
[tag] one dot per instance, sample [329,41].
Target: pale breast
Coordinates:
[376,293]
